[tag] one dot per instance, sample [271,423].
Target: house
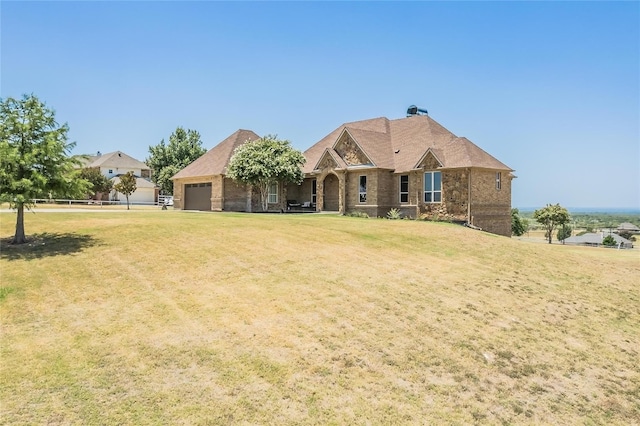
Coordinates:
[595,239]
[114,164]
[203,184]
[412,164]
[628,227]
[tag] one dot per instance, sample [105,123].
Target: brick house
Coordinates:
[412,164]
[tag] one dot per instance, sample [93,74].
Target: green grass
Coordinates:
[167,317]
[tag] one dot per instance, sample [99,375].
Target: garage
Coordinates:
[197,196]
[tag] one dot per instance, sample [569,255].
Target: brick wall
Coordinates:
[491,207]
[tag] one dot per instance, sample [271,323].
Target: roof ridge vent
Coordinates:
[414,110]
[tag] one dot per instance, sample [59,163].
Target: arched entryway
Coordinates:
[331,193]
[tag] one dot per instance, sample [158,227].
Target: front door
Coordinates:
[331,193]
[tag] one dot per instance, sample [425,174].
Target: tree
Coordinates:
[167,160]
[564,232]
[34,158]
[609,241]
[100,184]
[264,162]
[627,235]
[550,217]
[126,186]
[519,225]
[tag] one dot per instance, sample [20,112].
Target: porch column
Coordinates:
[341,191]
[320,194]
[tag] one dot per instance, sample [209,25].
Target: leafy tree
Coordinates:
[609,241]
[627,235]
[126,186]
[519,225]
[167,160]
[564,232]
[551,216]
[266,161]
[34,158]
[100,184]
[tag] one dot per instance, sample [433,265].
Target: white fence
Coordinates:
[92,202]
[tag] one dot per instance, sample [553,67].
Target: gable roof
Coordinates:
[627,226]
[400,144]
[215,161]
[116,159]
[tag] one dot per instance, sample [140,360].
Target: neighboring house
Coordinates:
[628,227]
[595,239]
[114,164]
[203,184]
[412,164]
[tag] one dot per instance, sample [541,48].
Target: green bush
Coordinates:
[609,241]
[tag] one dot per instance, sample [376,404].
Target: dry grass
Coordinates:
[195,318]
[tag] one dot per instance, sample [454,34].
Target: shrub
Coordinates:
[357,213]
[394,214]
[609,241]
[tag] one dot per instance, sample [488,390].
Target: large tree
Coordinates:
[100,184]
[264,162]
[519,225]
[126,185]
[35,159]
[185,146]
[550,217]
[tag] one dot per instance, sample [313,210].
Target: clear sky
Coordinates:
[552,89]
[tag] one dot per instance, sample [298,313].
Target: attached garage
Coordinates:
[197,196]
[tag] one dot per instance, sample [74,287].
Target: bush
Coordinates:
[358,214]
[394,214]
[609,241]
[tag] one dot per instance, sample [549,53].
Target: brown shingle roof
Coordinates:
[215,161]
[400,144]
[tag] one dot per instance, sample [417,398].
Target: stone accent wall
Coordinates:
[455,193]
[349,151]
[235,196]
[490,207]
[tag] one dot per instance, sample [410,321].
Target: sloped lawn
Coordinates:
[168,317]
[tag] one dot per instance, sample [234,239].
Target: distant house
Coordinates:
[412,164]
[595,239]
[628,227]
[117,163]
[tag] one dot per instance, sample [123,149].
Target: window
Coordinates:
[314,191]
[273,193]
[433,187]
[363,189]
[110,171]
[498,180]
[404,188]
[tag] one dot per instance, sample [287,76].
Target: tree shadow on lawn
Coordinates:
[45,245]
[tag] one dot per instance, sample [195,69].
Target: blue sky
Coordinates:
[552,89]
